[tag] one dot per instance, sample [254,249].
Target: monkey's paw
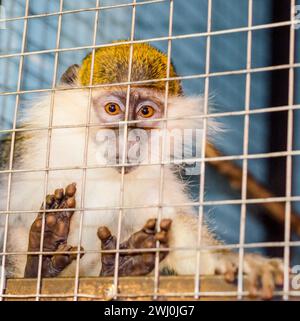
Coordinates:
[138,263]
[56,230]
[262,273]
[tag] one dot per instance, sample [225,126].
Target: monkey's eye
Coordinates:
[146,111]
[112,109]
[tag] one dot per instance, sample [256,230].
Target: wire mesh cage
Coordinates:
[222,77]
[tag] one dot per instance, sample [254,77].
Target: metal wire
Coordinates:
[185,36]
[49,137]
[87,131]
[287,227]
[245,152]
[202,116]
[189,204]
[203,148]
[11,155]
[96,8]
[162,149]
[189,77]
[202,248]
[124,155]
[185,160]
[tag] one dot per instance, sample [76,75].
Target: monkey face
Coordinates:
[145,107]
[133,127]
[140,142]
[143,114]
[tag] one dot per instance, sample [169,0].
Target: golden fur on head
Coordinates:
[111,66]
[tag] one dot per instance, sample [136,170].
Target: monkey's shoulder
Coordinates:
[6,149]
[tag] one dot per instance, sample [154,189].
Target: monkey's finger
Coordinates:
[36,228]
[163,254]
[231,270]
[50,199]
[69,204]
[51,220]
[103,233]
[165,224]
[148,260]
[161,236]
[70,190]
[59,262]
[108,242]
[253,283]
[59,194]
[279,278]
[277,264]
[150,243]
[74,253]
[268,284]
[150,226]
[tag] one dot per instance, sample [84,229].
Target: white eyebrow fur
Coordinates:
[70,108]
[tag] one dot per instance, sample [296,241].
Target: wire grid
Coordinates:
[204,136]
[245,152]
[245,157]
[124,155]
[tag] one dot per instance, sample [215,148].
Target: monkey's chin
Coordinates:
[127,169]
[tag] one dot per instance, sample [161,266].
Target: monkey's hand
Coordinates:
[136,263]
[56,230]
[262,273]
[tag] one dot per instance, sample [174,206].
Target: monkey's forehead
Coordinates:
[111,65]
[135,94]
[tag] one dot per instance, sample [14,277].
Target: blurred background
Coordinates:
[268,131]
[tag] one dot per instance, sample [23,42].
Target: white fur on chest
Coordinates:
[100,203]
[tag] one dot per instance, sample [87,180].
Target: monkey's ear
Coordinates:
[69,77]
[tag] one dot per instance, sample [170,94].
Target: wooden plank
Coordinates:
[130,288]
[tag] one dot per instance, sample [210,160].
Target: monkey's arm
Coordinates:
[6,148]
[5,144]
[263,273]
[138,263]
